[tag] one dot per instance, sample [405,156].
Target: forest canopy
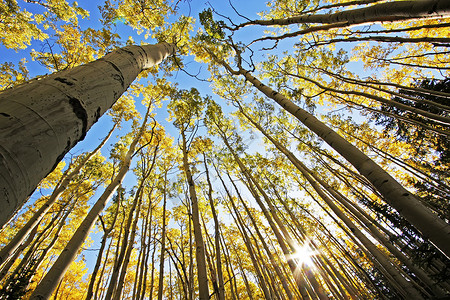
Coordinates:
[172,149]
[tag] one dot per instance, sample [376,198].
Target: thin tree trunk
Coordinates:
[411,208]
[383,12]
[125,242]
[35,244]
[9,263]
[442,120]
[199,243]
[152,276]
[146,236]
[130,242]
[147,251]
[41,120]
[106,232]
[368,222]
[163,242]
[57,271]
[216,235]
[138,277]
[212,270]
[39,214]
[102,272]
[37,263]
[376,86]
[129,248]
[229,267]
[269,254]
[281,238]
[248,245]
[184,275]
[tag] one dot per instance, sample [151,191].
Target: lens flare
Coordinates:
[303,255]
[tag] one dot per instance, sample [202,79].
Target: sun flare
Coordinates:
[303,255]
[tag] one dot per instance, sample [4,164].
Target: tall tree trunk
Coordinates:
[269,253]
[251,251]
[59,268]
[152,272]
[383,12]
[147,251]
[251,182]
[41,120]
[411,208]
[369,222]
[131,226]
[209,254]
[281,238]
[199,244]
[125,242]
[443,120]
[146,237]
[36,243]
[9,263]
[129,248]
[59,189]
[229,267]
[221,294]
[163,242]
[106,232]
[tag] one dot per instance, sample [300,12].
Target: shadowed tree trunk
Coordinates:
[41,120]
[409,206]
[382,12]
[50,281]
[57,192]
[199,243]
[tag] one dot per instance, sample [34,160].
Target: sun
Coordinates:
[303,255]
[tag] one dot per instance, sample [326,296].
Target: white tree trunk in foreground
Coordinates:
[41,120]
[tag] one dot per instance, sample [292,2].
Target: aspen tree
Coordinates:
[366,220]
[163,240]
[186,108]
[59,189]
[221,288]
[51,280]
[41,120]
[420,216]
[381,12]
[106,232]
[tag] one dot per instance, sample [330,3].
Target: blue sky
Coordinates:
[99,130]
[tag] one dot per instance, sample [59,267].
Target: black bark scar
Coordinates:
[61,156]
[118,77]
[97,114]
[64,80]
[81,114]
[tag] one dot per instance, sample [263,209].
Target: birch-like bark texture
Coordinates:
[410,207]
[53,277]
[314,180]
[383,12]
[200,256]
[41,120]
[8,249]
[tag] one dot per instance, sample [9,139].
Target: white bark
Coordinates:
[59,189]
[51,280]
[382,12]
[41,120]
[202,274]
[314,180]
[410,207]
